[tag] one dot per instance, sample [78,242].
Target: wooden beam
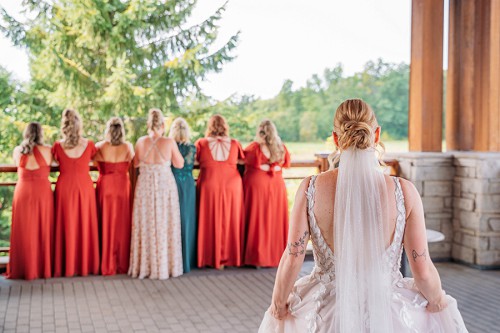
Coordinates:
[494,76]
[452,78]
[426,76]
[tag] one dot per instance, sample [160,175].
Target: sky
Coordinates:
[285,39]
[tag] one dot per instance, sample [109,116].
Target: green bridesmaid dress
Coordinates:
[187,201]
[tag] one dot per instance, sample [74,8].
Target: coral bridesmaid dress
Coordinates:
[266,209]
[76,235]
[113,200]
[31,237]
[220,208]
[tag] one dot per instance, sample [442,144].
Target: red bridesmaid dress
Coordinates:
[31,237]
[76,230]
[266,209]
[113,201]
[220,207]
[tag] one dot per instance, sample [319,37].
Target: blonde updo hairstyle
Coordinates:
[179,131]
[155,120]
[32,136]
[268,134]
[115,131]
[71,128]
[217,126]
[355,125]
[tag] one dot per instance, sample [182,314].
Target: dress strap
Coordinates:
[39,157]
[310,194]
[154,146]
[401,217]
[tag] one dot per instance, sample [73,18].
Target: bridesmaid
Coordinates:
[220,197]
[31,238]
[179,132]
[113,198]
[266,201]
[76,231]
[156,249]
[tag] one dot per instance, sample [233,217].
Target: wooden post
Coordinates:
[473,83]
[426,76]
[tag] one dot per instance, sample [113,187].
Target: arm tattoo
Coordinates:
[299,247]
[415,255]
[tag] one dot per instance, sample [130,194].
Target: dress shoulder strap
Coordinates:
[401,217]
[39,157]
[310,194]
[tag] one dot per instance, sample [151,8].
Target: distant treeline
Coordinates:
[306,113]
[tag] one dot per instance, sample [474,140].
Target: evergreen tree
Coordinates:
[116,57]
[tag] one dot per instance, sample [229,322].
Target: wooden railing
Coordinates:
[320,162]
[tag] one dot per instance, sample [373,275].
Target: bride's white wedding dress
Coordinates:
[312,300]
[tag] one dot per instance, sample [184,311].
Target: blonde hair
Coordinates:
[71,128]
[115,131]
[32,136]
[217,126]
[179,130]
[355,124]
[268,135]
[155,120]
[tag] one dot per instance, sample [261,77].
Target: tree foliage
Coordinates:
[115,57]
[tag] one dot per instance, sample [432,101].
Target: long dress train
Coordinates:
[312,300]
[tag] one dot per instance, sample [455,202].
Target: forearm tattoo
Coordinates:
[299,247]
[415,255]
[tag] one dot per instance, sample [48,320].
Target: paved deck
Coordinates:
[203,301]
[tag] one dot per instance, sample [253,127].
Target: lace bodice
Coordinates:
[324,258]
[188,152]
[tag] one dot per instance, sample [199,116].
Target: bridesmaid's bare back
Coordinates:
[157,150]
[76,152]
[114,154]
[326,185]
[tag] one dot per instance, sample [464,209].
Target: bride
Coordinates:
[358,220]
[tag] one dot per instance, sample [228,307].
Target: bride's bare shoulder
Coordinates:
[327,176]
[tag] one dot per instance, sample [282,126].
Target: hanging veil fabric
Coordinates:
[220,147]
[362,275]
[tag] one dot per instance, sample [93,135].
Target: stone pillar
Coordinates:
[433,174]
[476,214]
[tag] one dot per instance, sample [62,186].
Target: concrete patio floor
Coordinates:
[233,300]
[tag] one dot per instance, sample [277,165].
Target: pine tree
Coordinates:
[116,57]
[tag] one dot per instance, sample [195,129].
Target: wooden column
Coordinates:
[426,76]
[473,83]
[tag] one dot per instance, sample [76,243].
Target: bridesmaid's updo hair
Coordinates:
[115,131]
[179,131]
[268,134]
[32,136]
[217,126]
[155,120]
[355,125]
[71,128]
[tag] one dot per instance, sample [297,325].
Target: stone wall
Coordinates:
[461,197]
[433,175]
[476,214]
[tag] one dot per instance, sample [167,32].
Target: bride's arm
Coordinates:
[293,256]
[415,242]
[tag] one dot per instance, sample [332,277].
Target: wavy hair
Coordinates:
[268,134]
[115,131]
[217,126]
[155,120]
[71,128]
[32,136]
[179,131]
